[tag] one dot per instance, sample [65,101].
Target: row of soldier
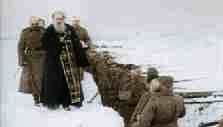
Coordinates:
[53,61]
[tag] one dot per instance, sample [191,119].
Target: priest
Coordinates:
[65,57]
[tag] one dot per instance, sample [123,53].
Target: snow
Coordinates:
[17,109]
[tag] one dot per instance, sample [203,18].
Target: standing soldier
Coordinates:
[81,32]
[162,108]
[152,73]
[83,36]
[42,22]
[31,57]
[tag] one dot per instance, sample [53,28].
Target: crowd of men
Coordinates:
[54,59]
[59,50]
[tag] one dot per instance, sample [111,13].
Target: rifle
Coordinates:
[203,102]
[188,80]
[93,98]
[208,124]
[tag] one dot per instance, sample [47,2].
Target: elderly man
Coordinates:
[64,57]
[31,57]
[81,32]
[162,108]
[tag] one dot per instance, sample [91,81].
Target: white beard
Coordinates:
[60,28]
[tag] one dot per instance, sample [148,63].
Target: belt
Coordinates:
[30,51]
[34,49]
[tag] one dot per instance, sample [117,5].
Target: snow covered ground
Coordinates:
[17,109]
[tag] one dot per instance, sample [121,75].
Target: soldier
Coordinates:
[84,39]
[152,73]
[42,22]
[220,123]
[162,108]
[81,32]
[31,57]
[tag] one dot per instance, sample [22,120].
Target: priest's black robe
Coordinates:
[55,90]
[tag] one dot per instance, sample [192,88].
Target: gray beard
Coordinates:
[60,28]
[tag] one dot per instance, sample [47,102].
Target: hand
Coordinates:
[83,44]
[124,95]
[135,124]
[88,69]
[22,64]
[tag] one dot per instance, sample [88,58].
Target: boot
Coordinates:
[78,104]
[52,106]
[36,100]
[66,108]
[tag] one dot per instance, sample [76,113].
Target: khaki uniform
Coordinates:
[220,123]
[160,111]
[140,106]
[83,36]
[31,58]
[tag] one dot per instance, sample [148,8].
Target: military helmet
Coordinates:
[152,73]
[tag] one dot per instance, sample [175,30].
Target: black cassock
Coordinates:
[61,82]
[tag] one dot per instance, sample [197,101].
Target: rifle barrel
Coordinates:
[208,124]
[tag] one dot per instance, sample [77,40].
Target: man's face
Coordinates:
[34,21]
[59,23]
[76,22]
[34,24]
[58,19]
[166,90]
[42,23]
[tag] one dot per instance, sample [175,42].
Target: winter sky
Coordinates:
[120,18]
